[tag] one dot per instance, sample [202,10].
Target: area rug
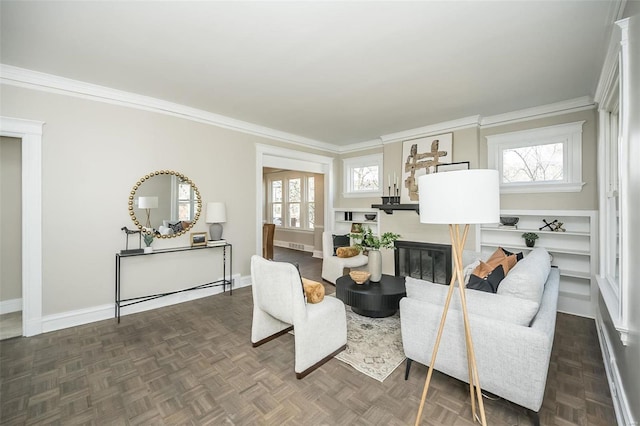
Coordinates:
[374,345]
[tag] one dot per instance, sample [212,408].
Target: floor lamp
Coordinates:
[458,198]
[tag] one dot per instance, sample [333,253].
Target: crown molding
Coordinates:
[22,77]
[563,107]
[432,129]
[361,146]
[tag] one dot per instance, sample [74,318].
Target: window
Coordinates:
[291,200]
[183,200]
[362,176]
[547,159]
[276,202]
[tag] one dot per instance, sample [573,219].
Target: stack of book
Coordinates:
[215,243]
[508,226]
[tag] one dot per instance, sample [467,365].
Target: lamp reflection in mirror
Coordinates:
[216,214]
[457,198]
[148,203]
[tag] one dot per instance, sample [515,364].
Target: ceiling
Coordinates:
[335,72]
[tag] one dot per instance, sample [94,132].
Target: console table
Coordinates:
[120,303]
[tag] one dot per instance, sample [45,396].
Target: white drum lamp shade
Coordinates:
[461,197]
[148,203]
[216,214]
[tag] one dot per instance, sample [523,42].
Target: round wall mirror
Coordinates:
[166,201]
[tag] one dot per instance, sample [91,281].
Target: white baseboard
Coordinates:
[621,405]
[317,254]
[11,305]
[104,312]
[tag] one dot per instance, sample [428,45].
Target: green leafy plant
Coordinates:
[366,240]
[147,236]
[530,236]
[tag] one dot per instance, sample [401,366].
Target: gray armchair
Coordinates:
[320,330]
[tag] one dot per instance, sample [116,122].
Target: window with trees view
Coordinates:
[362,176]
[547,159]
[291,200]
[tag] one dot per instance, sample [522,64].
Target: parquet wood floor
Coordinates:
[193,364]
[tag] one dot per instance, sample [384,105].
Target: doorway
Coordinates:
[10,237]
[30,134]
[286,159]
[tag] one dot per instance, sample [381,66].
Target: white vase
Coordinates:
[148,249]
[375,265]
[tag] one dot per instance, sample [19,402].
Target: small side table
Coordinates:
[376,300]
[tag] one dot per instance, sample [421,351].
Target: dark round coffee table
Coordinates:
[371,299]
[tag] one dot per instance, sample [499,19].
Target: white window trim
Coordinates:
[304,201]
[615,295]
[363,161]
[569,134]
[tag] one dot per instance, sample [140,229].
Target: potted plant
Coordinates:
[367,241]
[530,238]
[147,236]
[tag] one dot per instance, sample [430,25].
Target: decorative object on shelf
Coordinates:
[445,199]
[530,238]
[165,185]
[216,215]
[554,225]
[359,277]
[198,239]
[420,157]
[147,236]
[450,167]
[127,233]
[370,216]
[509,221]
[356,228]
[366,241]
[148,203]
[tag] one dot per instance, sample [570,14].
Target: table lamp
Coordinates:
[457,198]
[216,214]
[148,203]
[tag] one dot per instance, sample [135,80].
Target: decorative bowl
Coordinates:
[359,277]
[509,220]
[370,216]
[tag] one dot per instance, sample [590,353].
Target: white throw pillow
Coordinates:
[526,280]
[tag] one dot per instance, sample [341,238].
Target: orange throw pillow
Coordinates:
[347,251]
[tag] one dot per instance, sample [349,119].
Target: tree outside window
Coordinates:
[538,163]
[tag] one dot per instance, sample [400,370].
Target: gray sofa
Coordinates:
[512,330]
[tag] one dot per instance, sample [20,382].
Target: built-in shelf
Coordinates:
[573,251]
[389,208]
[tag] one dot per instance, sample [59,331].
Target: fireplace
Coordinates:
[426,261]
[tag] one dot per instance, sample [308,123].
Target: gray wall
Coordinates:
[92,154]
[470,144]
[587,199]
[10,219]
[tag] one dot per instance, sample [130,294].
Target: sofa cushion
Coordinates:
[347,251]
[488,275]
[519,256]
[526,279]
[495,306]
[490,281]
[340,241]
